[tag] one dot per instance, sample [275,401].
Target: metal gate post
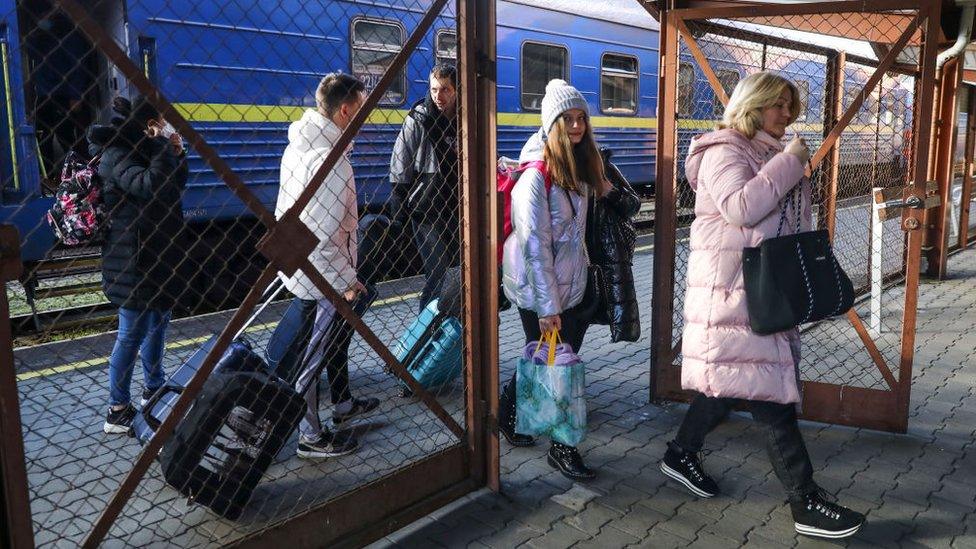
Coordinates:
[936,234]
[663,375]
[967,169]
[832,113]
[914,217]
[15,515]
[476,39]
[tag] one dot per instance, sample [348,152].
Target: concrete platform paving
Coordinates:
[918,489]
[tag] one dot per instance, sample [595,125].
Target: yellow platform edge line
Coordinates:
[176,345]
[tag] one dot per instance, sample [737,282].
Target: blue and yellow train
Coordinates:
[240,71]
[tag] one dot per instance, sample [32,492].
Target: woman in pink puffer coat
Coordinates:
[742,176]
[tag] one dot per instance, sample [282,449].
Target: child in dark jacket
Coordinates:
[143,172]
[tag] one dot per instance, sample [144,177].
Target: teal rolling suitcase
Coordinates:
[430,349]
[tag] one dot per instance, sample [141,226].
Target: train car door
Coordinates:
[16,133]
[20,202]
[55,85]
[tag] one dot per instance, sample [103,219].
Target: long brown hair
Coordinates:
[570,165]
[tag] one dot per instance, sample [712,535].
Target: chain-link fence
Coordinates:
[153,242]
[830,59]
[963,140]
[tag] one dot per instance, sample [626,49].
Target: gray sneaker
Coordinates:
[118,422]
[328,444]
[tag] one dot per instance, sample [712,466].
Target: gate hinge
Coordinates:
[490,421]
[486,66]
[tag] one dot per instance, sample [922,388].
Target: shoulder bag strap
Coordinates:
[579,230]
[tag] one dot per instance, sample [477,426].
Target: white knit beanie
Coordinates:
[559,98]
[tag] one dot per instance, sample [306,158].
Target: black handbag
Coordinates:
[794,279]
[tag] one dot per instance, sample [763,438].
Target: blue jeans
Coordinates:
[140,333]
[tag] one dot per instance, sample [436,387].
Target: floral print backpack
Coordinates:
[78,213]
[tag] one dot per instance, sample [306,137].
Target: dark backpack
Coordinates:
[78,213]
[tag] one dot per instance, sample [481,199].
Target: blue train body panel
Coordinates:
[262,62]
[20,183]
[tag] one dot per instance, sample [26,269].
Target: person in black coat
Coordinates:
[424,179]
[143,173]
[611,235]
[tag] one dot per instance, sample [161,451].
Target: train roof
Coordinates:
[624,12]
[629,12]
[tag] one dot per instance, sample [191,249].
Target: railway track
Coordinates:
[49,323]
[69,267]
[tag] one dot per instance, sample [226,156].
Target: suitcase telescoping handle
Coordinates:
[425,337]
[335,330]
[270,295]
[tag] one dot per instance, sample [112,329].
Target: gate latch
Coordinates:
[889,203]
[912,201]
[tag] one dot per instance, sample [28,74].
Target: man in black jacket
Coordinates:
[424,176]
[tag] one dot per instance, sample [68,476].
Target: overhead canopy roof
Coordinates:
[868,35]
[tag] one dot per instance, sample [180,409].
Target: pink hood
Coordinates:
[701,143]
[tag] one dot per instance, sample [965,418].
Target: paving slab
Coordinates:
[917,488]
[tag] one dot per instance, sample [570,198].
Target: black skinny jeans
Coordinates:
[784,442]
[437,241]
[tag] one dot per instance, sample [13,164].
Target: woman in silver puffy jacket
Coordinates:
[545,259]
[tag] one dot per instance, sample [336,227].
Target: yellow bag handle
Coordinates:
[551,337]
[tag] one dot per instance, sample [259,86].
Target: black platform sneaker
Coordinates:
[686,468]
[814,515]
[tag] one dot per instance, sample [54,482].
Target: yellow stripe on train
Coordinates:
[226,112]
[229,112]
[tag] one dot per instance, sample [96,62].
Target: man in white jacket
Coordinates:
[333,216]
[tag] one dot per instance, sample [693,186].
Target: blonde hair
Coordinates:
[751,96]
[569,165]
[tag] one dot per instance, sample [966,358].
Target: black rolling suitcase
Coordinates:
[234,428]
[158,406]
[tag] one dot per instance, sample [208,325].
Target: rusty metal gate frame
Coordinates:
[16,528]
[951,84]
[874,408]
[945,134]
[379,507]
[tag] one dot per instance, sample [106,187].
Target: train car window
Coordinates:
[540,64]
[885,107]
[728,78]
[618,84]
[868,113]
[374,45]
[686,89]
[803,89]
[851,91]
[898,114]
[445,48]
[873,105]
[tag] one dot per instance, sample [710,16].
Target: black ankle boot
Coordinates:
[506,419]
[569,462]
